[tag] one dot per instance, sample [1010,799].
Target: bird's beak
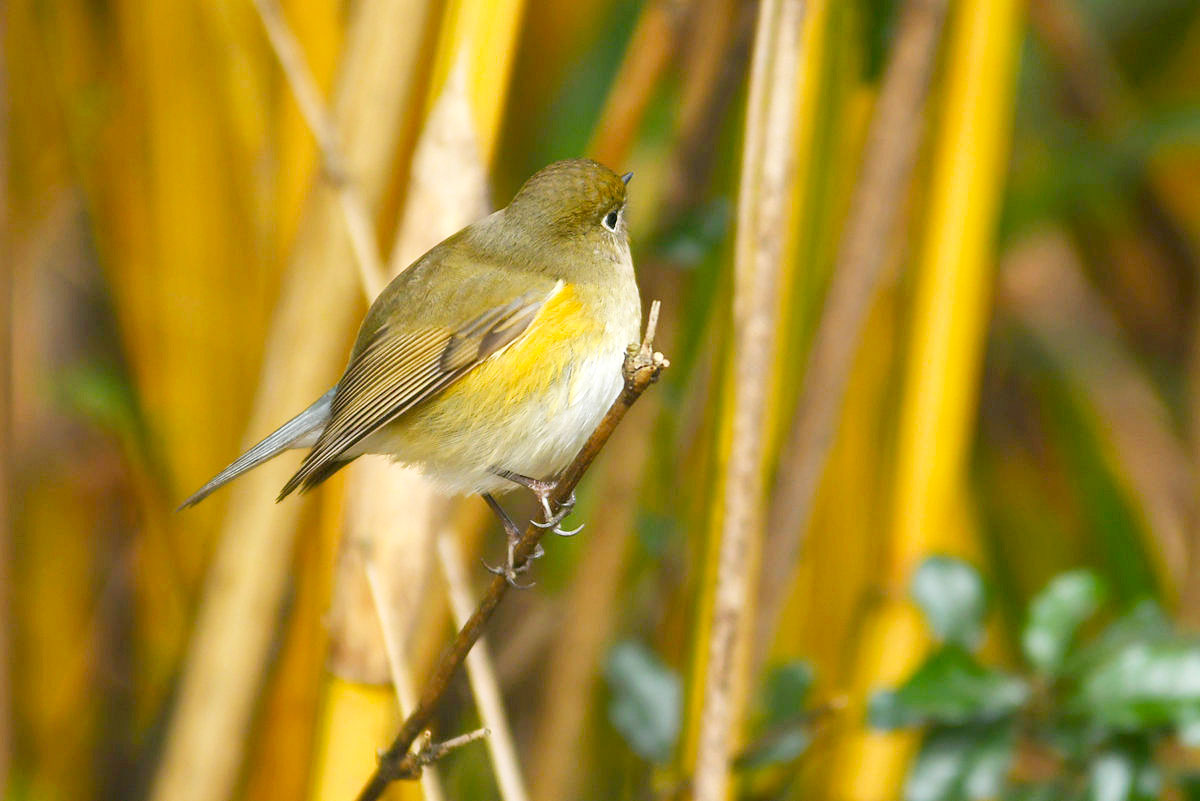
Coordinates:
[626,177]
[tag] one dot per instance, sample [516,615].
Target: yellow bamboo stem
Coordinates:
[373,710]
[945,348]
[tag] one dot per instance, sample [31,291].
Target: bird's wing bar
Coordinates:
[396,371]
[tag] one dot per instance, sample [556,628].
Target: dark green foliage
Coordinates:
[961,763]
[950,688]
[646,702]
[784,723]
[1055,615]
[1097,712]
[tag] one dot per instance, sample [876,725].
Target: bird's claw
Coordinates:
[569,532]
[554,518]
[510,570]
[510,574]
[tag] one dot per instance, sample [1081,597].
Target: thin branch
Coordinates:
[887,164]
[482,676]
[320,122]
[642,368]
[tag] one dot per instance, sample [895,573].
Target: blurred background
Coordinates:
[980,290]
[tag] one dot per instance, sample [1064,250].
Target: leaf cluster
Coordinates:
[1103,716]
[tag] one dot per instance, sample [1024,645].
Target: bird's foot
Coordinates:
[510,570]
[544,491]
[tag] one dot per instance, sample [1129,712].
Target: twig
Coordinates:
[764,197]
[642,367]
[431,752]
[308,97]
[887,163]
[482,676]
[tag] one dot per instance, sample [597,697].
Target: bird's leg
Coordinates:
[544,490]
[513,536]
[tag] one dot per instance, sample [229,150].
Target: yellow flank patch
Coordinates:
[531,363]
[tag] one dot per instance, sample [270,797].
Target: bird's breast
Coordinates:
[529,407]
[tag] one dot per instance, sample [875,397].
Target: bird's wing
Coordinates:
[397,369]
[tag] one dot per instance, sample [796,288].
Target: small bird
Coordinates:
[490,360]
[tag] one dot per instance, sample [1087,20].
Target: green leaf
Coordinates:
[952,595]
[777,747]
[1145,622]
[1056,614]
[964,763]
[1144,684]
[785,691]
[1120,775]
[949,688]
[647,700]
[784,729]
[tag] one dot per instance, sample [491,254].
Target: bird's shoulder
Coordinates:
[449,287]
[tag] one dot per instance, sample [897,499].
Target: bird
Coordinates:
[488,362]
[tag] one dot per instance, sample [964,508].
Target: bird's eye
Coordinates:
[610,221]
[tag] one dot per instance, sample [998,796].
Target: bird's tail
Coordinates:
[299,432]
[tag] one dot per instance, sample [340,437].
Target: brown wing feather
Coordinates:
[394,372]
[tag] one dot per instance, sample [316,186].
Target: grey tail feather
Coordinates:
[299,432]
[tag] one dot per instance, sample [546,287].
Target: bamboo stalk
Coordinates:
[478,37]
[363,606]
[879,196]
[291,703]
[764,196]
[206,737]
[945,348]
[482,676]
[320,27]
